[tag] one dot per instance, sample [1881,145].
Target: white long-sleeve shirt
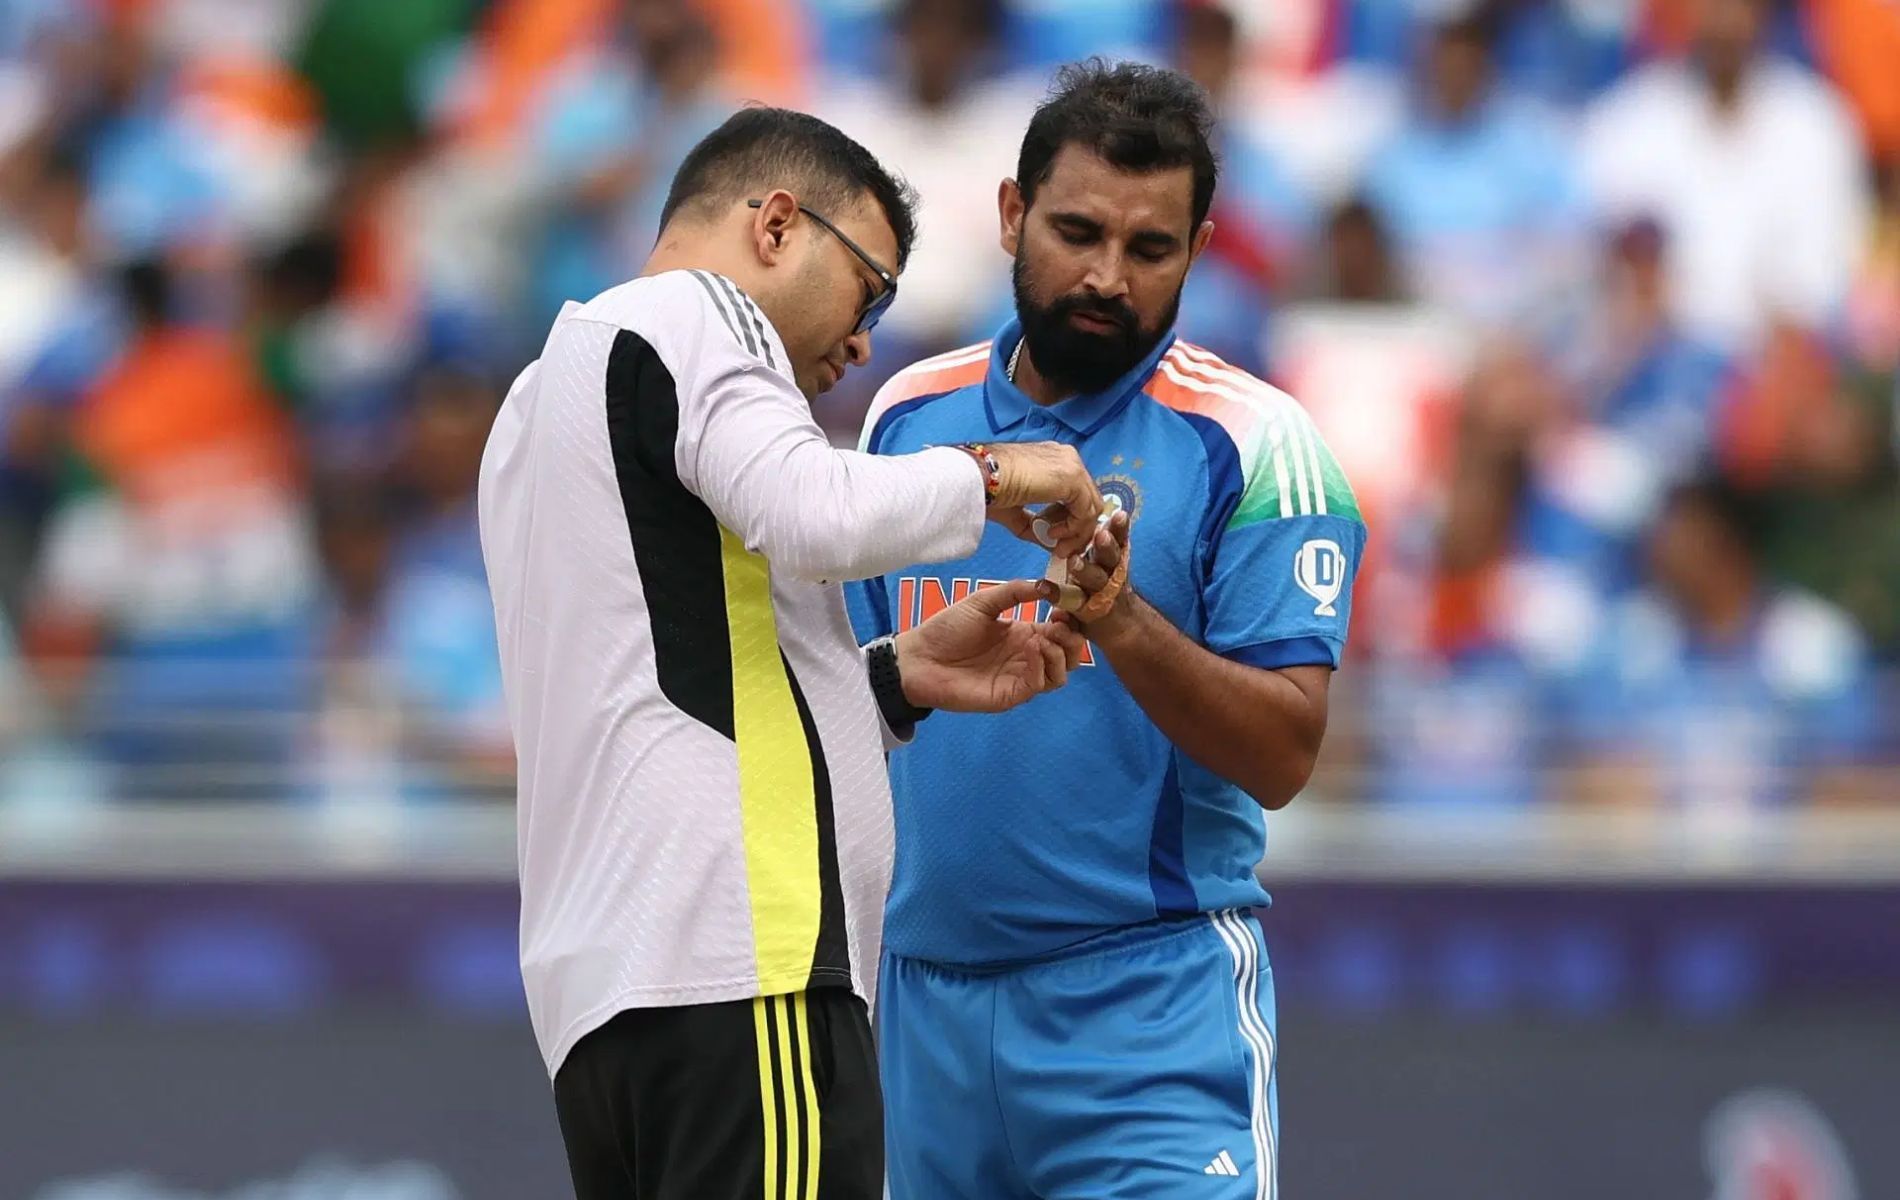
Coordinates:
[1765,207]
[703,810]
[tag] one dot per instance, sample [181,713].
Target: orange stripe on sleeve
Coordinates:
[929,377]
[1182,385]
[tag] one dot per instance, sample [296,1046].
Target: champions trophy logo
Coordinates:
[1320,570]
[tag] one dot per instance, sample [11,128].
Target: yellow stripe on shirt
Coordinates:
[776,803]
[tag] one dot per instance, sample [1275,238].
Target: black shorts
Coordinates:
[768,1099]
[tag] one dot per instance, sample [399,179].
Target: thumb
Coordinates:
[993,602]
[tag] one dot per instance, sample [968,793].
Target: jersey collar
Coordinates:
[1006,405]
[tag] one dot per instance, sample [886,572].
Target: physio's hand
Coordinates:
[1045,473]
[968,659]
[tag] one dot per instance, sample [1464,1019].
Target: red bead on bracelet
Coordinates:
[992,470]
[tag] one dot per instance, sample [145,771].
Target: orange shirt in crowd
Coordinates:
[182,417]
[1858,45]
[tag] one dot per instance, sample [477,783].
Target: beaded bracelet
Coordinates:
[992,470]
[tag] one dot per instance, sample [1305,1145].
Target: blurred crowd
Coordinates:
[1597,301]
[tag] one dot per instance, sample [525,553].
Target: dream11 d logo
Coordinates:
[1320,570]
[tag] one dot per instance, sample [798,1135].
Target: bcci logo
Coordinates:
[1320,570]
[1123,488]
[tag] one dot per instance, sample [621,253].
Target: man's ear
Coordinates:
[1202,236]
[771,222]
[1010,210]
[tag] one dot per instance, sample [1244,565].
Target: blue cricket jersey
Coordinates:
[1023,834]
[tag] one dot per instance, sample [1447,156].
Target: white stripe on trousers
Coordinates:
[1233,930]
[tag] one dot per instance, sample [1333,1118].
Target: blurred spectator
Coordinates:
[1559,50]
[1565,51]
[151,184]
[1556,479]
[1829,513]
[1262,219]
[1056,31]
[53,332]
[764,47]
[1358,267]
[290,289]
[1381,374]
[356,523]
[949,124]
[1873,314]
[344,220]
[1751,165]
[40,771]
[414,692]
[356,745]
[1645,403]
[610,131]
[177,574]
[1644,376]
[1718,688]
[1465,721]
[257,129]
[1476,732]
[1479,188]
[1774,396]
[437,641]
[42,207]
[1462,710]
[1489,595]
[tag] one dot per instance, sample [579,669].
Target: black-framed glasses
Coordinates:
[880,303]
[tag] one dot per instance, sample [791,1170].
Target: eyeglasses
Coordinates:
[880,303]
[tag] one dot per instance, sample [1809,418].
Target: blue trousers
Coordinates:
[1140,1067]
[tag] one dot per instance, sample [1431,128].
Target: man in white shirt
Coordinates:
[1752,167]
[704,820]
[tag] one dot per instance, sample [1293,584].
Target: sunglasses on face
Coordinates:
[880,303]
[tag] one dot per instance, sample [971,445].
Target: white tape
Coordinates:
[1070,596]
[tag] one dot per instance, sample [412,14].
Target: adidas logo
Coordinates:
[1223,1164]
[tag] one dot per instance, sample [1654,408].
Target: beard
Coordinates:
[1081,360]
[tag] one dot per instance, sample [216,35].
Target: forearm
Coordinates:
[1255,728]
[831,515]
[768,473]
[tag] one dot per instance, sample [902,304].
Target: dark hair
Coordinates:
[306,271]
[1481,27]
[65,162]
[1711,497]
[146,286]
[1356,209]
[1137,117]
[761,148]
[982,20]
[1205,19]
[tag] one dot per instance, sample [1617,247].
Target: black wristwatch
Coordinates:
[880,662]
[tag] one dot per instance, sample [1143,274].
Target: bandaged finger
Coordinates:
[1102,601]
[1069,594]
